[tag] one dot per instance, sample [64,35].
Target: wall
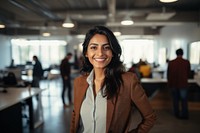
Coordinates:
[169,37]
[5,51]
[73,44]
[172,37]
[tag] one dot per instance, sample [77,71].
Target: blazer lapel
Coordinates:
[82,88]
[110,111]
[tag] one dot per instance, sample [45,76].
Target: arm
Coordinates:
[189,69]
[168,67]
[140,99]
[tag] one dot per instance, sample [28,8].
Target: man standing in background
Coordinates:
[65,70]
[177,74]
[37,72]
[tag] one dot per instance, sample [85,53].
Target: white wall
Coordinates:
[5,51]
[172,37]
[73,44]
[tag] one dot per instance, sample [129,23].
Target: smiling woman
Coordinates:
[105,91]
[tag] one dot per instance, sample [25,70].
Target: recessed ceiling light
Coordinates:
[2,26]
[46,34]
[168,1]
[117,33]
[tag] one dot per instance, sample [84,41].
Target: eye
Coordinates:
[107,47]
[93,47]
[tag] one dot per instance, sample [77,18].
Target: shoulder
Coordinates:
[80,79]
[187,61]
[129,77]
[62,60]
[127,74]
[80,84]
[171,61]
[131,85]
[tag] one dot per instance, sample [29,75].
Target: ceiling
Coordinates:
[32,17]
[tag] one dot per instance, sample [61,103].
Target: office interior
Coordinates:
[154,41]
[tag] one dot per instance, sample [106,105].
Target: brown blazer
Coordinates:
[178,73]
[120,108]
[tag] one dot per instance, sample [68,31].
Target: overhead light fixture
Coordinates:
[117,33]
[2,26]
[127,20]
[45,31]
[168,1]
[68,23]
[160,16]
[46,34]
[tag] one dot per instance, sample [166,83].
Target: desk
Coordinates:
[150,85]
[159,72]
[161,80]
[11,109]
[197,78]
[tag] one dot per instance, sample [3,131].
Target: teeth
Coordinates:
[99,59]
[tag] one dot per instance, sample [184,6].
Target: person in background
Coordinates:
[65,70]
[134,69]
[37,72]
[144,69]
[105,96]
[12,64]
[177,74]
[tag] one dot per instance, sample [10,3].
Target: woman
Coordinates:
[105,96]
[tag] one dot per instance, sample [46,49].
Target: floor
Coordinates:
[57,118]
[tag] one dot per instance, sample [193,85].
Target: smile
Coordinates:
[99,59]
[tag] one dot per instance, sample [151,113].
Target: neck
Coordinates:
[99,74]
[179,56]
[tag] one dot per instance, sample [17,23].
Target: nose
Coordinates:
[100,51]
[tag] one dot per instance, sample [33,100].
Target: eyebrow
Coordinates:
[99,44]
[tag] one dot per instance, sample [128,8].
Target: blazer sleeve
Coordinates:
[72,125]
[141,101]
[73,116]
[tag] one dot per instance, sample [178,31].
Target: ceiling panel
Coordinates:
[50,14]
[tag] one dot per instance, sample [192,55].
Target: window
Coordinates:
[195,53]
[48,51]
[134,50]
[162,56]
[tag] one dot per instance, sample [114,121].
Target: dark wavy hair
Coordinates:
[114,69]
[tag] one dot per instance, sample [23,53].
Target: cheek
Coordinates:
[88,55]
[110,54]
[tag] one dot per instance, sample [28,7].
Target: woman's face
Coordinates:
[99,51]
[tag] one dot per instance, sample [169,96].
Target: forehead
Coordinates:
[99,39]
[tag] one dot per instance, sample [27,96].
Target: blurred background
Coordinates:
[148,30]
